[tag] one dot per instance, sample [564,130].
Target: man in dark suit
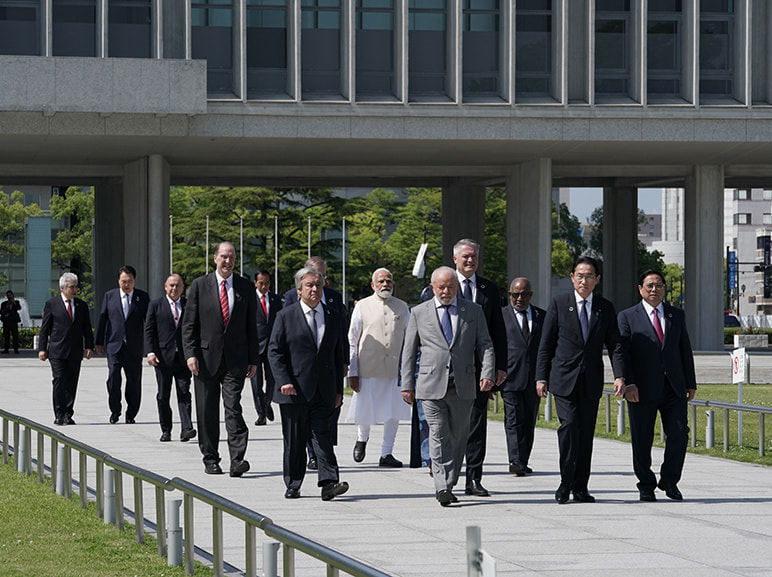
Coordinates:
[660,377]
[524,324]
[268,305]
[9,314]
[163,347]
[121,332]
[65,335]
[472,287]
[219,338]
[570,366]
[306,355]
[334,300]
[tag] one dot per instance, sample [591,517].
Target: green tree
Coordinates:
[566,229]
[562,258]
[646,260]
[71,249]
[495,241]
[13,215]
[674,279]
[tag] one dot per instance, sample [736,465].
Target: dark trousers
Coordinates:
[643,416]
[132,366]
[11,331]
[301,423]
[208,391]
[333,432]
[262,397]
[65,374]
[521,409]
[578,413]
[180,375]
[478,435]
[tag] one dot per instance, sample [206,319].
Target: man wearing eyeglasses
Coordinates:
[523,324]
[660,378]
[570,366]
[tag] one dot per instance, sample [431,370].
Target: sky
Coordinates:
[585,200]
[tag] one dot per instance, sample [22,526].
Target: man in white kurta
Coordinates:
[376,334]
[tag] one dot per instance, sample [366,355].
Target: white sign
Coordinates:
[738,365]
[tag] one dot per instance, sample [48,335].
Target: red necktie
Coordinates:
[657,326]
[224,304]
[262,302]
[69,308]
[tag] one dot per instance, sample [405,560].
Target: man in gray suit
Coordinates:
[449,330]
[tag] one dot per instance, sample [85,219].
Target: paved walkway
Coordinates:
[390,519]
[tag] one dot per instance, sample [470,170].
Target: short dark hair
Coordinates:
[263,272]
[646,273]
[128,269]
[587,260]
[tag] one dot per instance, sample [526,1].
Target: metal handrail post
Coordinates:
[41,458]
[726,430]
[160,521]
[190,548]
[83,480]
[250,550]
[217,542]
[119,520]
[139,511]
[288,556]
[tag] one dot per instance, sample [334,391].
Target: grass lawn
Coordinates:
[748,451]
[46,535]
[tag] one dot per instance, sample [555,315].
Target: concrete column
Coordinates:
[108,236]
[703,257]
[135,217]
[463,216]
[620,244]
[529,226]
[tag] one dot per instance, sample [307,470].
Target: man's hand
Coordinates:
[193,365]
[251,370]
[486,384]
[542,389]
[288,389]
[353,382]
[690,394]
[619,387]
[152,360]
[100,349]
[631,394]
[43,356]
[408,397]
[338,400]
[89,354]
[500,377]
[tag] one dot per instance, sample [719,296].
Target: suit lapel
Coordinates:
[301,318]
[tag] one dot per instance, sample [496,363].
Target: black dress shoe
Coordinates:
[269,412]
[313,465]
[69,421]
[114,419]
[187,435]
[359,451]
[517,468]
[130,421]
[389,461]
[528,469]
[562,494]
[260,422]
[238,468]
[475,488]
[445,497]
[212,469]
[583,497]
[332,490]
[648,495]
[671,491]
[57,420]
[165,437]
[292,494]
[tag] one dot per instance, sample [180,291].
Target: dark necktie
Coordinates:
[447,326]
[524,328]
[584,319]
[314,328]
[468,290]
[226,314]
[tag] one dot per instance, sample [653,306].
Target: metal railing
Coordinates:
[693,404]
[61,450]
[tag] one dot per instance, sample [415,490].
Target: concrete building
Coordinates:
[130,96]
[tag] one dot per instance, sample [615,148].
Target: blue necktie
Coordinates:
[584,319]
[447,326]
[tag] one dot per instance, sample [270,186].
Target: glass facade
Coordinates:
[663,49]
[212,40]
[533,51]
[129,28]
[74,27]
[20,27]
[320,49]
[481,44]
[267,48]
[612,48]
[716,49]
[375,50]
[428,78]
